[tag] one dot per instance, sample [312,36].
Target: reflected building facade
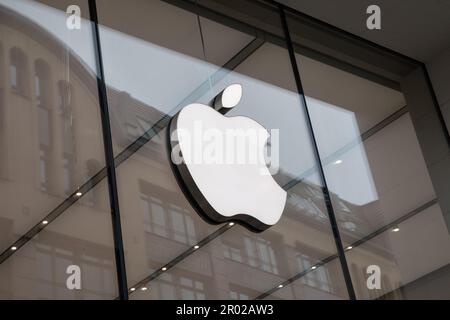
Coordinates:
[353,157]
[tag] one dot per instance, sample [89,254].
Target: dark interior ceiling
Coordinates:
[417,28]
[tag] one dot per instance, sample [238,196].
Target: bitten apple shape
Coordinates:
[243,192]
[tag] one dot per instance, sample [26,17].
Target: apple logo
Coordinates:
[223,191]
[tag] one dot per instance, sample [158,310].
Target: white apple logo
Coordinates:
[221,192]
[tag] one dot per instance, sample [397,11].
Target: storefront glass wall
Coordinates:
[350,159]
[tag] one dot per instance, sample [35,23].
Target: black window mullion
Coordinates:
[329,205]
[109,159]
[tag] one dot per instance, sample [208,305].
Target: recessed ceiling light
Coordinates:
[45,222]
[196,247]
[231,224]
[79,194]
[313,267]
[396,229]
[163,268]
[144,288]
[13,248]
[133,289]
[339,161]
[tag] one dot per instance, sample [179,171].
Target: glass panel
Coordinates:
[49,137]
[171,57]
[51,149]
[413,257]
[82,237]
[377,177]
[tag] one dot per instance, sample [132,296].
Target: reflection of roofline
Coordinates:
[87,77]
[26,26]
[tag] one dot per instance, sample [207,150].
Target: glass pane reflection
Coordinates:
[380,186]
[164,73]
[82,236]
[413,257]
[51,149]
[50,132]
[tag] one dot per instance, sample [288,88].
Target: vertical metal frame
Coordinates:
[436,105]
[109,158]
[329,205]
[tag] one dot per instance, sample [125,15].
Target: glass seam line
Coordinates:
[329,205]
[109,158]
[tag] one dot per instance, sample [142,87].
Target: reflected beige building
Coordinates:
[54,187]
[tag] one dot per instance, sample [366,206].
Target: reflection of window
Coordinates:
[260,254]
[232,253]
[238,296]
[183,226]
[309,201]
[68,173]
[68,155]
[67,133]
[44,123]
[45,145]
[191,289]
[64,97]
[51,263]
[3,140]
[180,287]
[166,220]
[42,85]
[44,169]
[2,104]
[42,82]
[318,278]
[154,215]
[237,292]
[18,70]
[2,67]
[65,107]
[94,197]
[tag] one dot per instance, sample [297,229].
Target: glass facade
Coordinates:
[355,162]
